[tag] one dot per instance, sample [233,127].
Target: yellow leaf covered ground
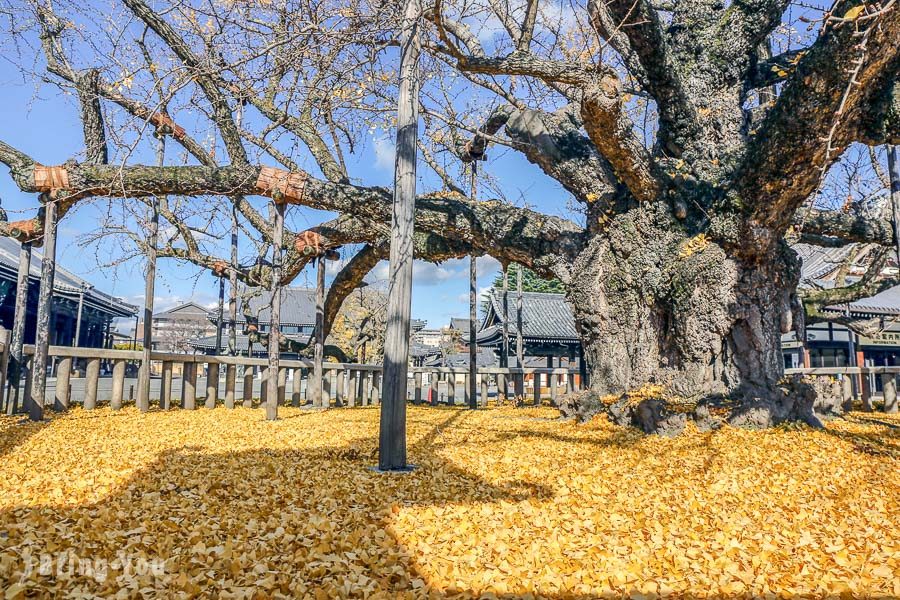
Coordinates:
[505,501]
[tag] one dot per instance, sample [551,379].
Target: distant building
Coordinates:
[548,328]
[298,321]
[176,329]
[97,311]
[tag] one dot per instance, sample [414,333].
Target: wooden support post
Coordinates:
[18,331]
[230,380]
[889,385]
[297,381]
[144,375]
[274,369]
[36,398]
[118,384]
[570,382]
[91,379]
[212,385]
[392,427]
[165,386]
[520,343]
[4,366]
[315,385]
[467,390]
[247,395]
[473,300]
[63,374]
[189,386]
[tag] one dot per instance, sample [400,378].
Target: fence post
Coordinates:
[118,384]
[91,379]
[247,394]
[889,384]
[165,386]
[230,377]
[484,389]
[417,394]
[282,384]
[212,385]
[189,386]
[295,387]
[61,395]
[536,380]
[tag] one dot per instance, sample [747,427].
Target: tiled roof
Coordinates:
[188,309]
[209,342]
[884,303]
[65,283]
[817,262]
[544,317]
[459,323]
[298,306]
[484,358]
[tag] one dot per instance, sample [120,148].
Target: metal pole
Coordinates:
[143,398]
[505,355]
[392,428]
[473,310]
[220,314]
[318,398]
[893,153]
[18,332]
[45,300]
[520,346]
[232,298]
[274,313]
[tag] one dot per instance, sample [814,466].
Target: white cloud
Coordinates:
[384,153]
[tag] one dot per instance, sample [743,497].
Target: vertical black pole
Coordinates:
[220,314]
[45,302]
[392,431]
[473,311]
[77,337]
[520,345]
[18,333]
[143,397]
[274,313]
[318,398]
[232,298]
[893,153]
[505,356]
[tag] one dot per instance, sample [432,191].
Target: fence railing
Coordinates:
[94,376]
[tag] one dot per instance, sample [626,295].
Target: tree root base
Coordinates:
[809,401]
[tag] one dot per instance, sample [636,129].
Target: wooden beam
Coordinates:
[473,299]
[392,429]
[315,383]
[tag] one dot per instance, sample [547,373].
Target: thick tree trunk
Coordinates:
[658,305]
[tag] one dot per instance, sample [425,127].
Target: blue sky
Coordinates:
[43,122]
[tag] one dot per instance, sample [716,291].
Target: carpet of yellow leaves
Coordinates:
[505,502]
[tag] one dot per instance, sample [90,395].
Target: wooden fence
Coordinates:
[94,376]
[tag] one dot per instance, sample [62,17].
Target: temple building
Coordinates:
[548,328]
[77,305]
